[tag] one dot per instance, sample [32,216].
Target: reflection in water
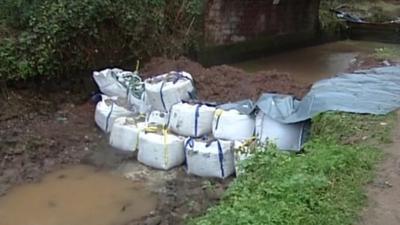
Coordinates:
[311,64]
[76,196]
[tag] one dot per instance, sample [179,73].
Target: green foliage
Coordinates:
[64,36]
[347,128]
[387,53]
[323,185]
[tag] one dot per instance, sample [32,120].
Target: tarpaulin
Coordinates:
[374,91]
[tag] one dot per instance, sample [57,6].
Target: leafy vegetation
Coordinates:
[323,185]
[52,37]
[392,53]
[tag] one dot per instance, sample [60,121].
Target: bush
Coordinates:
[58,37]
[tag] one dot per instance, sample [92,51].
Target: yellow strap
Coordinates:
[165,134]
[152,129]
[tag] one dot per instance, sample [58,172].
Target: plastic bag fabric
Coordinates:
[166,90]
[161,150]
[232,125]
[123,84]
[288,137]
[157,118]
[107,81]
[209,158]
[191,120]
[246,107]
[107,111]
[125,133]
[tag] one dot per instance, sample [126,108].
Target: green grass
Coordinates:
[385,53]
[323,185]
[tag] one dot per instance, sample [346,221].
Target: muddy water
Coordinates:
[314,63]
[76,196]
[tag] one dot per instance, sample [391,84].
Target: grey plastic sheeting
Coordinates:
[374,91]
[246,106]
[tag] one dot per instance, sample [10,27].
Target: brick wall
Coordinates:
[235,21]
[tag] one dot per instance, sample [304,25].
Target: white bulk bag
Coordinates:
[166,90]
[141,106]
[114,82]
[125,133]
[232,125]
[289,137]
[213,159]
[108,82]
[157,118]
[161,150]
[106,113]
[191,120]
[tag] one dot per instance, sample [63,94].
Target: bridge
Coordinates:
[239,29]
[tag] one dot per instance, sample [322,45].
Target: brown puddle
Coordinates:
[77,196]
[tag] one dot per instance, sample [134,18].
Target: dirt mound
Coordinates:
[225,83]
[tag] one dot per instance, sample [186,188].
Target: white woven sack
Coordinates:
[166,90]
[288,137]
[232,125]
[161,151]
[213,160]
[191,120]
[108,84]
[157,118]
[106,113]
[125,133]
[141,106]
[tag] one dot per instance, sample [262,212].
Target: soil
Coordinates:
[225,83]
[383,193]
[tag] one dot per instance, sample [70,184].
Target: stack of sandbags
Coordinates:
[288,137]
[232,125]
[166,90]
[160,149]
[125,133]
[107,111]
[192,120]
[209,158]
